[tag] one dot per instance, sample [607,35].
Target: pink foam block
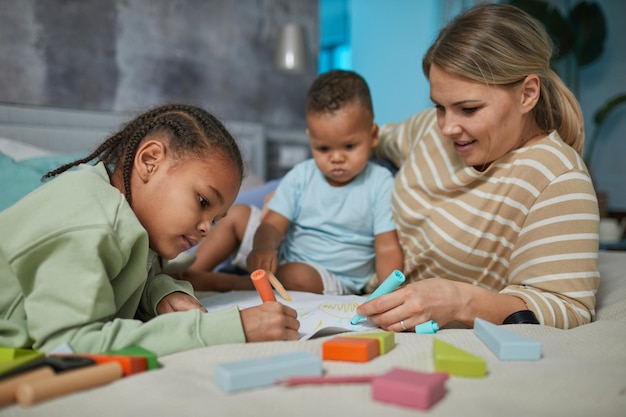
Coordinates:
[409,388]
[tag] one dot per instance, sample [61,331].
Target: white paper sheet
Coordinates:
[319,315]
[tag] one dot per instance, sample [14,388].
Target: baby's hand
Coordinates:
[178,301]
[262,259]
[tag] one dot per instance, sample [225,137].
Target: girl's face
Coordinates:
[177,201]
[484,122]
[341,143]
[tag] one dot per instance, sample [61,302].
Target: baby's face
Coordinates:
[341,142]
[178,204]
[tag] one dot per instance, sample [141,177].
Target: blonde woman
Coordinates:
[495,209]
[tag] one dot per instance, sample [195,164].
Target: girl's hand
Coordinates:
[270,321]
[178,301]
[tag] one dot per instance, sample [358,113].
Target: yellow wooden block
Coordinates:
[12,357]
[456,361]
[386,340]
[9,353]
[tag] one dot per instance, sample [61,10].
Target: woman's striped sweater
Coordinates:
[527,226]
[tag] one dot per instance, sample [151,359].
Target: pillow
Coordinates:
[17,181]
[256,195]
[44,164]
[18,151]
[19,178]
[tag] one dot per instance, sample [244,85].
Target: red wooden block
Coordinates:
[353,349]
[409,388]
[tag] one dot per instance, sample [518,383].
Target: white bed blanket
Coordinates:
[582,372]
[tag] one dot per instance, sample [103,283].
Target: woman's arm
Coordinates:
[552,271]
[441,300]
[553,267]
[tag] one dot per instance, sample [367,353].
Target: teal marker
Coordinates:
[392,282]
[429,327]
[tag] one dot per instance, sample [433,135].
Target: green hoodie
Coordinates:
[76,268]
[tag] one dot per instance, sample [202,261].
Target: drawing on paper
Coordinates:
[319,315]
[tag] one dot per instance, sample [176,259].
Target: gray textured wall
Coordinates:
[128,54]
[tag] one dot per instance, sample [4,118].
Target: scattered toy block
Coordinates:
[409,388]
[9,353]
[506,345]
[458,362]
[352,349]
[386,340]
[252,373]
[152,360]
[130,364]
[11,358]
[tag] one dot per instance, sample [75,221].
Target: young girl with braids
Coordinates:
[80,256]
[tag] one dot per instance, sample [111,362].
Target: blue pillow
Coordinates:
[45,164]
[255,196]
[19,178]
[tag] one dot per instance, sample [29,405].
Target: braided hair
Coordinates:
[190,130]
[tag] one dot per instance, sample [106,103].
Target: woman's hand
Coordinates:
[441,300]
[178,301]
[270,321]
[432,299]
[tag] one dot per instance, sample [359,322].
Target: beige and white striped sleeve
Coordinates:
[554,264]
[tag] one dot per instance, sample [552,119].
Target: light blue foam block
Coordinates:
[252,373]
[506,345]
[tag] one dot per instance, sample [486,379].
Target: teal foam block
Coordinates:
[507,346]
[253,373]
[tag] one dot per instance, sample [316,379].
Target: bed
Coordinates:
[35,139]
[582,371]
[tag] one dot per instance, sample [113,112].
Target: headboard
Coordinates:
[72,130]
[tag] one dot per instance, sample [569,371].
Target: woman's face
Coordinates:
[484,122]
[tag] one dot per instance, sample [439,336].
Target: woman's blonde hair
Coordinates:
[500,44]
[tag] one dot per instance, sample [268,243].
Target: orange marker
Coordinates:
[32,392]
[262,284]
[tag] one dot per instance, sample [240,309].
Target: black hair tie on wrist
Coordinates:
[521,317]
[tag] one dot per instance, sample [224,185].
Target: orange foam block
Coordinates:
[130,364]
[352,349]
[409,388]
